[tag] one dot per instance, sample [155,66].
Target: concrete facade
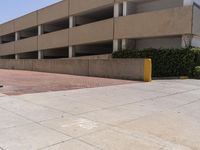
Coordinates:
[73,28]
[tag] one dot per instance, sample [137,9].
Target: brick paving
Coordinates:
[17,82]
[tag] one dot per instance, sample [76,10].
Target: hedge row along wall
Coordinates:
[167,62]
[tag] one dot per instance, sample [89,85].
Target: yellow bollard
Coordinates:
[147,70]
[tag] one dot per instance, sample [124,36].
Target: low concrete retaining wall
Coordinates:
[134,69]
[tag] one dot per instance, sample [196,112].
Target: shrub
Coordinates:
[197,72]
[166,62]
[196,52]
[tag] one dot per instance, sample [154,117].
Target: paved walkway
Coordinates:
[23,82]
[161,115]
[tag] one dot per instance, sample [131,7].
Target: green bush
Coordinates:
[166,62]
[196,52]
[197,72]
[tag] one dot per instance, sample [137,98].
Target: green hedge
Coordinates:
[167,62]
[197,72]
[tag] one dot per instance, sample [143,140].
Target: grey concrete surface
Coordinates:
[132,69]
[161,115]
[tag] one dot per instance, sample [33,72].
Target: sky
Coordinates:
[11,9]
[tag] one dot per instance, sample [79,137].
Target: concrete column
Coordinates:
[17,56]
[125,9]
[191,2]
[115,45]
[71,22]
[116,10]
[71,48]
[124,41]
[40,52]
[40,30]
[17,37]
[187,2]
[186,41]
[116,14]
[71,52]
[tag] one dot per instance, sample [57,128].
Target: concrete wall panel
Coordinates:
[53,40]
[26,45]
[93,32]
[75,67]
[26,21]
[111,68]
[78,6]
[53,12]
[7,28]
[7,49]
[176,21]
[117,68]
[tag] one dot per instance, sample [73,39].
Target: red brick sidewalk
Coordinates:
[23,82]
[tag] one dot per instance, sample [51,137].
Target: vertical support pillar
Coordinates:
[17,37]
[188,2]
[40,52]
[17,56]
[116,14]
[186,41]
[124,41]
[71,48]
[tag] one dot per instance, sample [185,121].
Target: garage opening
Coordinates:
[94,16]
[55,26]
[31,32]
[7,57]
[29,55]
[55,53]
[94,49]
[8,38]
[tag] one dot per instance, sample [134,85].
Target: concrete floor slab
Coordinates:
[9,120]
[30,111]
[74,126]
[119,140]
[172,127]
[29,137]
[72,145]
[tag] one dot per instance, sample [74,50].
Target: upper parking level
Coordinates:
[85,11]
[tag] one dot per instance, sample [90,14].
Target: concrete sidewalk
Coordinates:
[161,115]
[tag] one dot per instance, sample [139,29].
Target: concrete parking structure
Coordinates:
[72,28]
